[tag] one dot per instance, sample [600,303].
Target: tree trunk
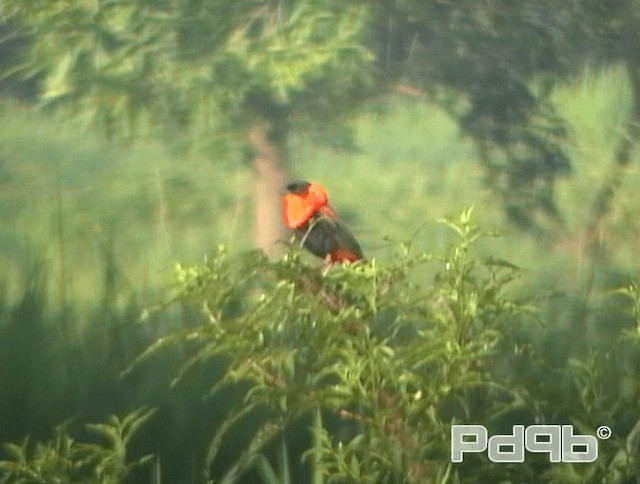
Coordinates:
[270,163]
[630,42]
[605,196]
[603,201]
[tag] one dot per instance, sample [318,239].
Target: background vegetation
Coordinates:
[439,328]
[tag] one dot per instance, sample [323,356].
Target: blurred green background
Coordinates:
[92,225]
[78,202]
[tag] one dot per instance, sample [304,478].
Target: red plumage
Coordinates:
[306,210]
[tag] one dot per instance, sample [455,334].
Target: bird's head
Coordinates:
[302,200]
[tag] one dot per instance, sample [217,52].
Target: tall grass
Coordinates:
[62,191]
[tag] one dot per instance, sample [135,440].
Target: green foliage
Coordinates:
[493,65]
[599,387]
[64,459]
[565,382]
[632,293]
[156,206]
[385,357]
[391,353]
[207,68]
[382,356]
[189,66]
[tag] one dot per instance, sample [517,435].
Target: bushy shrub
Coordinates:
[391,354]
[64,459]
[366,367]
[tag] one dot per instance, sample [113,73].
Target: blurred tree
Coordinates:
[249,68]
[13,42]
[218,71]
[492,65]
[612,30]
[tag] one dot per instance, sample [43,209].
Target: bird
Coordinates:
[306,210]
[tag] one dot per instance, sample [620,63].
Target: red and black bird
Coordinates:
[306,210]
